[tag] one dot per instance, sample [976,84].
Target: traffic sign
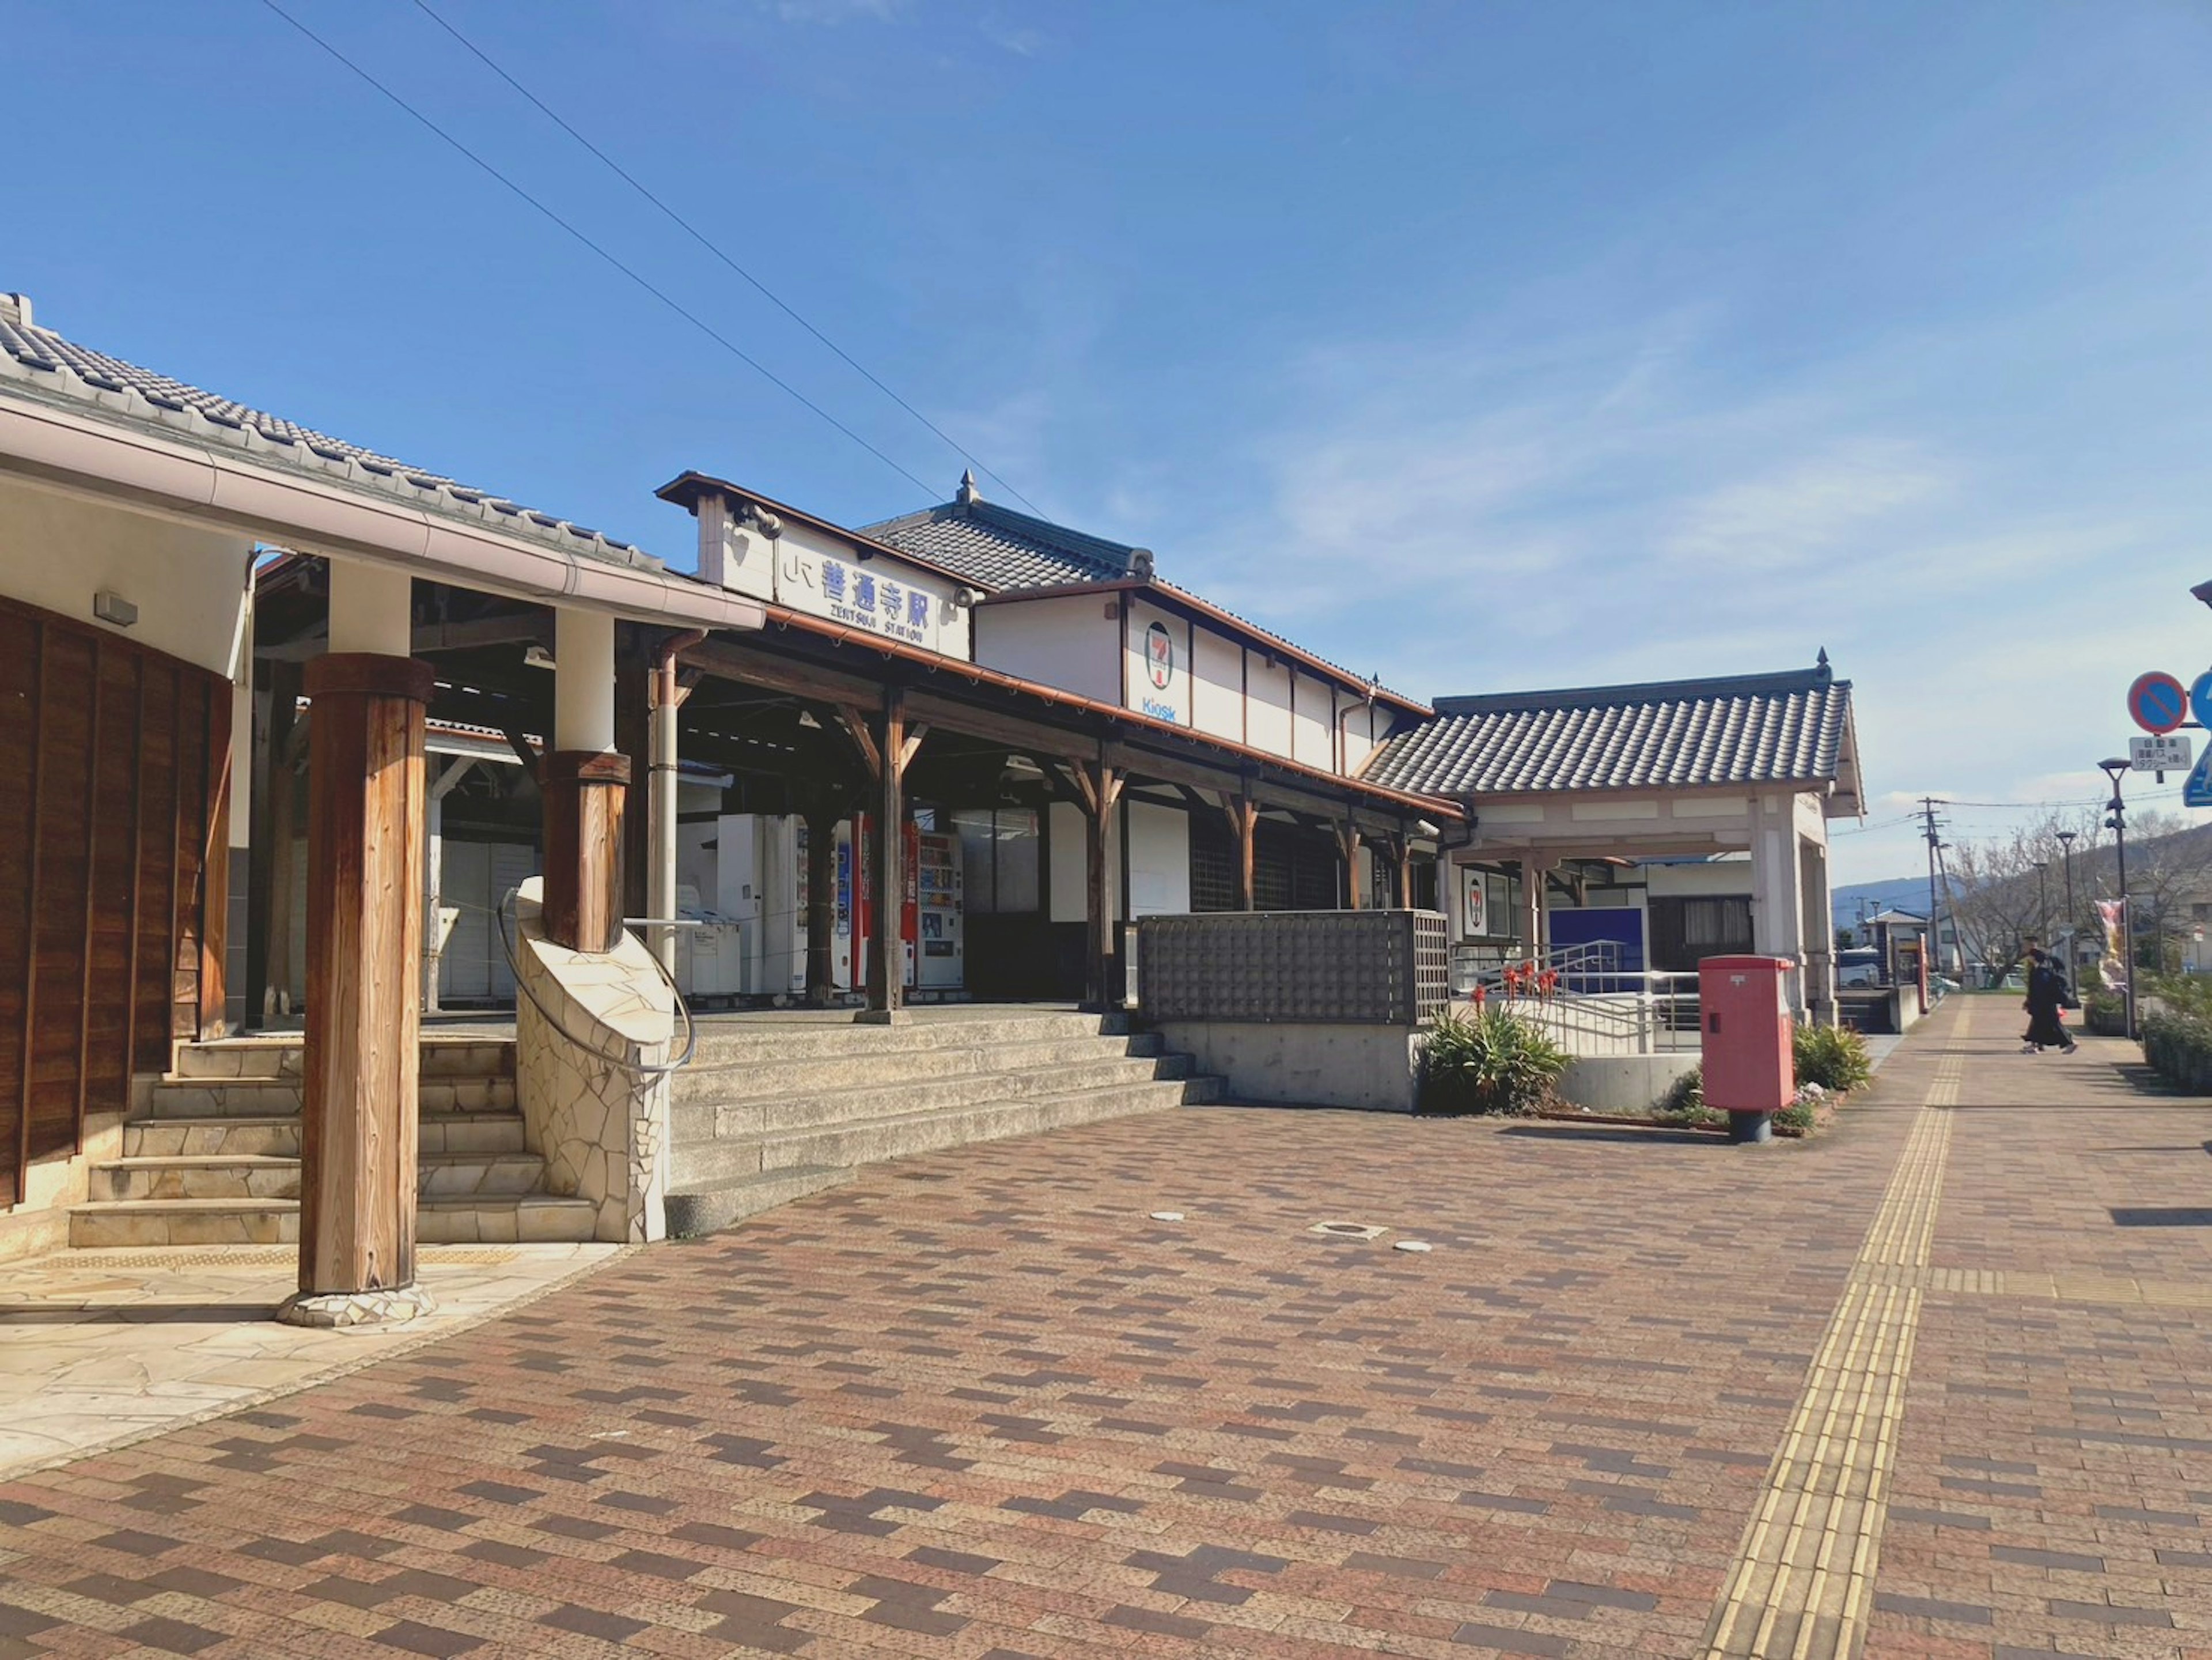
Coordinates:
[2167,752]
[2200,699]
[2197,792]
[2156,702]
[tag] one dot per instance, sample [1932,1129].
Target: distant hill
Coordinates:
[1904,892]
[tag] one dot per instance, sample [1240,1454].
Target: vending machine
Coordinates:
[760,882]
[929,920]
[938,876]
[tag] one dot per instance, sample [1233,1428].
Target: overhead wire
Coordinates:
[662,294]
[707,243]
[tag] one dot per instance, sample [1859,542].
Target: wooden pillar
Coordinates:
[1348,843]
[584,791]
[887,864]
[1400,847]
[211,1019]
[822,817]
[1243,821]
[1532,878]
[1099,787]
[364,947]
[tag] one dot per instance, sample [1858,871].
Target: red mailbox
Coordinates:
[1749,1073]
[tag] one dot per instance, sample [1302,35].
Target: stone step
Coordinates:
[697,1165]
[715,1204]
[511,1219]
[190,1176]
[279,1056]
[436,1133]
[762,1037]
[736,1081]
[701,1121]
[271,1098]
[527,1219]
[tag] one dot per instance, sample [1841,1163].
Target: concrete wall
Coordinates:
[1624,1084]
[1304,1064]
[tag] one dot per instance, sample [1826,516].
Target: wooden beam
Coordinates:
[886,934]
[1318,807]
[533,624]
[751,667]
[212,1016]
[523,753]
[1348,843]
[1243,815]
[855,726]
[1035,739]
[822,813]
[38,724]
[1101,785]
[913,743]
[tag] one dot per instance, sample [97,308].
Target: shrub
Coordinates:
[1487,1062]
[1685,1102]
[1796,1118]
[1834,1057]
[2178,1046]
[2105,1013]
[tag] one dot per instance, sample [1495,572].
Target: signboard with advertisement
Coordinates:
[1156,674]
[1474,903]
[825,578]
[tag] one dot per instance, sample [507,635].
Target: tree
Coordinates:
[2008,892]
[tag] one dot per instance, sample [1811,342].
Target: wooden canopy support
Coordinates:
[1349,843]
[1098,787]
[1243,829]
[887,862]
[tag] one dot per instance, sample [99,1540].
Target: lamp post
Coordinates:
[2117,824]
[2073,957]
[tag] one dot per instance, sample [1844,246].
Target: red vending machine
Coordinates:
[1749,1072]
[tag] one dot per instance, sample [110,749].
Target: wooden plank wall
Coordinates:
[114,794]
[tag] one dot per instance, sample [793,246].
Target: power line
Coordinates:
[688,316]
[704,241]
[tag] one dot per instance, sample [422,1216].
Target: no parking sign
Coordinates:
[2156,702]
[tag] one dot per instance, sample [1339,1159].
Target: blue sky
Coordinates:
[1480,346]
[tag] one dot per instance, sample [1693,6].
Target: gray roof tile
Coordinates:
[1793,727]
[998,548]
[36,358]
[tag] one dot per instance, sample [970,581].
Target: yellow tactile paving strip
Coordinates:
[1803,1581]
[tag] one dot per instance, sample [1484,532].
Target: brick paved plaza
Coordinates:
[979,1404]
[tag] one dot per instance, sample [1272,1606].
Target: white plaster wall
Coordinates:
[1361,721]
[1067,900]
[190,585]
[1311,722]
[1728,878]
[1073,643]
[1218,685]
[1159,860]
[1173,701]
[1269,708]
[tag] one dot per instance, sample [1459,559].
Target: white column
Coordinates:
[583,681]
[370,610]
[1777,895]
[660,877]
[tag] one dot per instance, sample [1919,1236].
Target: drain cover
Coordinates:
[1413,1244]
[1347,1230]
[1167,1216]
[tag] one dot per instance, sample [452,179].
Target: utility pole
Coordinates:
[1934,934]
[2116,769]
[2073,957]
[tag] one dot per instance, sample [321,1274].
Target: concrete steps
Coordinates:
[216,1158]
[775,1110]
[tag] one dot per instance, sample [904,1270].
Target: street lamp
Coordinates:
[2073,957]
[2117,824]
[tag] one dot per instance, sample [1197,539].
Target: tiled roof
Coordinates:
[36,359]
[998,548]
[1794,728]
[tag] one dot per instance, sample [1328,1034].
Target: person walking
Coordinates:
[2046,996]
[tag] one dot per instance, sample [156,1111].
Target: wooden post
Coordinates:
[584,791]
[822,816]
[212,1020]
[1348,843]
[1100,788]
[357,1180]
[1244,827]
[894,751]
[634,738]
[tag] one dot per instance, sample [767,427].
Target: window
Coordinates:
[999,860]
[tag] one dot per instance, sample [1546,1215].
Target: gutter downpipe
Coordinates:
[660,876]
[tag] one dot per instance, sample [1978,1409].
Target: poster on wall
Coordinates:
[1474,903]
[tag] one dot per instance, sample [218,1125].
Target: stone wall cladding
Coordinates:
[602,1127]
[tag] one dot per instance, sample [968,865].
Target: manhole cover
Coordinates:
[1167,1216]
[1347,1230]
[1413,1244]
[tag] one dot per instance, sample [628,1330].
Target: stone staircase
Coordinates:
[215,1160]
[771,1110]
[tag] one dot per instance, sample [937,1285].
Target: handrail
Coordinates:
[642,1068]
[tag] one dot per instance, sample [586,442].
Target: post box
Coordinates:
[1749,1072]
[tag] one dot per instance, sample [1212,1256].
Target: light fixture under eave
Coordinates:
[110,606]
[537,657]
[806,720]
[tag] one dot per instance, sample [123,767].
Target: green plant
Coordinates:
[2178,1046]
[2105,1013]
[1834,1057]
[1796,1118]
[1685,1102]
[1487,1062]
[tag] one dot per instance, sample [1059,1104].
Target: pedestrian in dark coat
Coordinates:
[2046,996]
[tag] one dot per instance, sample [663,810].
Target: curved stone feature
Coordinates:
[600,1124]
[338,1309]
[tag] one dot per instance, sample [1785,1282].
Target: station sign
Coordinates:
[2166,752]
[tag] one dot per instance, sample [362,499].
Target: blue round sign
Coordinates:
[2200,699]
[2156,702]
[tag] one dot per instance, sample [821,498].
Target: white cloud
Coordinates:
[1809,507]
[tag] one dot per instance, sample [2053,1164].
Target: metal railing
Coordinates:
[642,1068]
